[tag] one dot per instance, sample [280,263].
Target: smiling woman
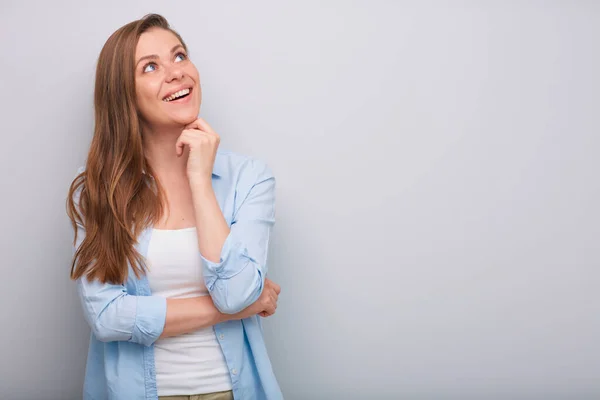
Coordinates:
[171,235]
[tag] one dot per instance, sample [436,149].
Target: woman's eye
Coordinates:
[183,56]
[149,65]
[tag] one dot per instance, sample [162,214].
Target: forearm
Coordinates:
[191,314]
[234,259]
[209,218]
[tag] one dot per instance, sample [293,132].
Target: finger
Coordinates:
[193,125]
[180,144]
[202,137]
[195,133]
[277,288]
[266,300]
[202,125]
[270,310]
[196,126]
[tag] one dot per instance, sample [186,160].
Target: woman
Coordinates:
[171,235]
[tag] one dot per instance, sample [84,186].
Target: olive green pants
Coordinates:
[226,395]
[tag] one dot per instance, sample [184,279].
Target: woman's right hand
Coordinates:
[266,304]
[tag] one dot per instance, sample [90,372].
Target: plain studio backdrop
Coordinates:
[437,188]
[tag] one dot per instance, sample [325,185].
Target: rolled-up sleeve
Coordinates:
[115,315]
[237,280]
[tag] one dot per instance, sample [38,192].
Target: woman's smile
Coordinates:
[179,97]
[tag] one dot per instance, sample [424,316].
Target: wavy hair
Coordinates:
[117,195]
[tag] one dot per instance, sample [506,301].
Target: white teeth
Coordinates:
[177,94]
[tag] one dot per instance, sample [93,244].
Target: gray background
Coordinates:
[438,222]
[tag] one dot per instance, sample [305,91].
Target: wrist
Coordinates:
[200,180]
[222,317]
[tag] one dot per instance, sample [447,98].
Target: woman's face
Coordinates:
[163,76]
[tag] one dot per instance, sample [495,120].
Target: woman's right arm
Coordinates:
[110,311]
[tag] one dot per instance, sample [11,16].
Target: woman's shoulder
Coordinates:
[238,165]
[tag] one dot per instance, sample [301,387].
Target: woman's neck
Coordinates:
[159,149]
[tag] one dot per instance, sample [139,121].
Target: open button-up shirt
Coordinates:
[126,320]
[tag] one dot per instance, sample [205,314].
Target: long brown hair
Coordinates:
[117,196]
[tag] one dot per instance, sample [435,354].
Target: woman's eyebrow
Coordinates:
[154,56]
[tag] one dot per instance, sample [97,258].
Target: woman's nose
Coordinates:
[174,71]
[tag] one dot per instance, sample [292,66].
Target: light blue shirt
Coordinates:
[126,320]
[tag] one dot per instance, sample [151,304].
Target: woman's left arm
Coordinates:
[235,259]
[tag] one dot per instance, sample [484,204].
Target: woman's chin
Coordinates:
[185,118]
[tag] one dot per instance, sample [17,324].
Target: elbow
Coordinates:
[233,303]
[232,293]
[138,319]
[109,326]
[103,334]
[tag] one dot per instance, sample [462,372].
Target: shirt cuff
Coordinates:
[151,314]
[234,257]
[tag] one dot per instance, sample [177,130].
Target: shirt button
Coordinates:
[234,371]
[221,336]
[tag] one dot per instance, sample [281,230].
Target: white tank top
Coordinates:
[191,363]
